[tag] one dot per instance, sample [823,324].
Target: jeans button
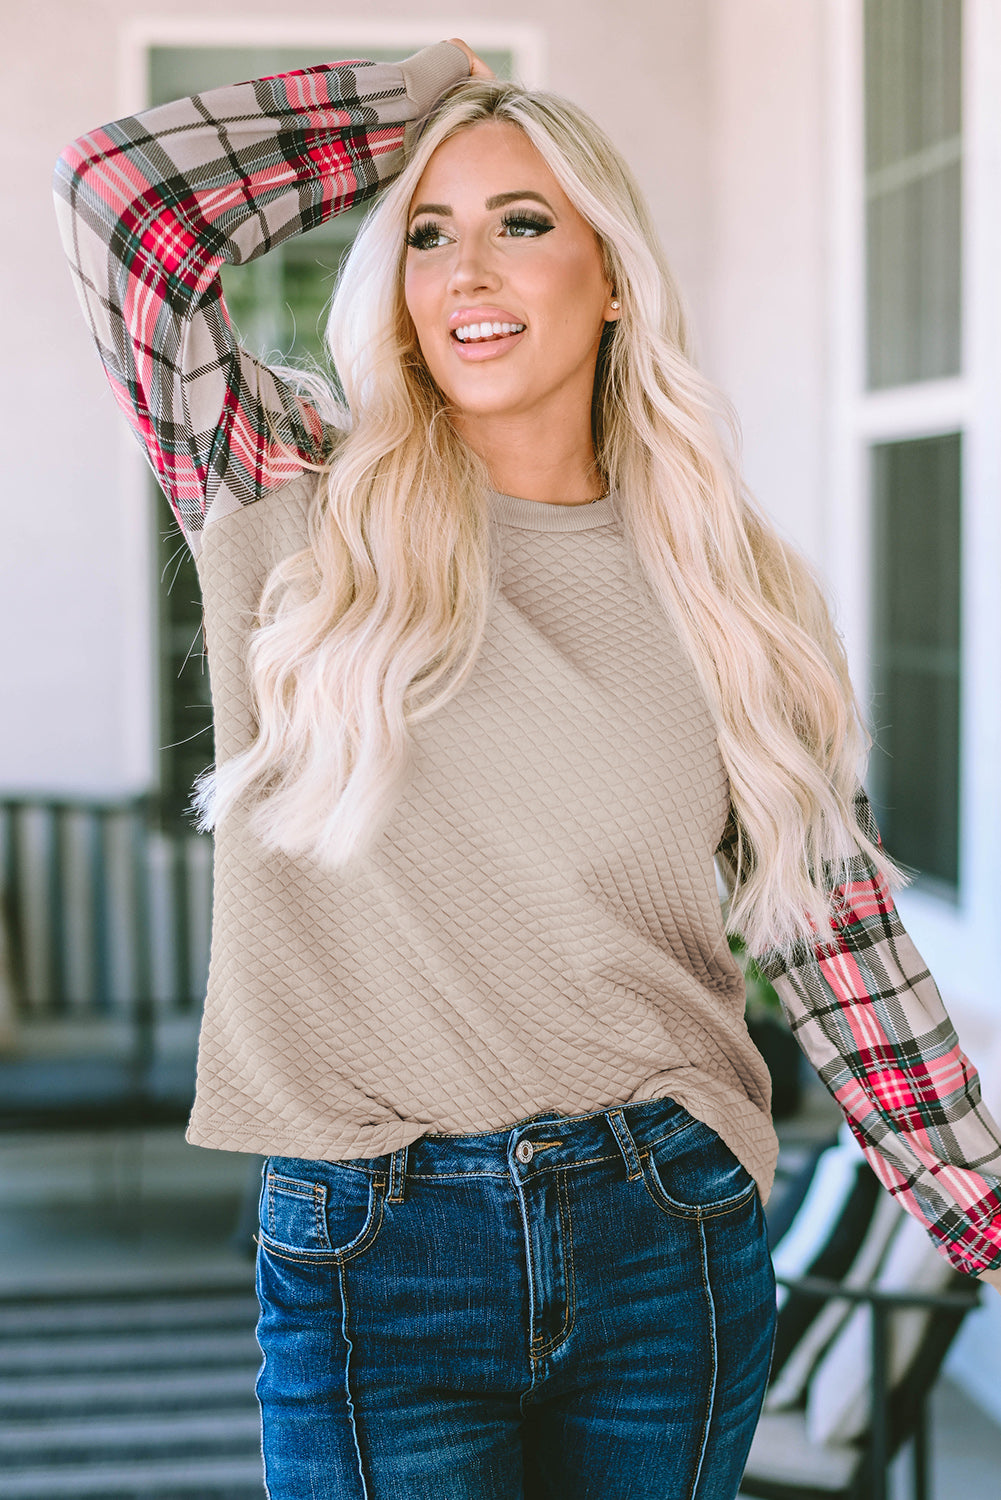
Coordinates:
[524,1151]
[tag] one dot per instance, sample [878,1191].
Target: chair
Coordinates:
[850,1386]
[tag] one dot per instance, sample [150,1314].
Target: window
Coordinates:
[277,305]
[916,488]
[913,146]
[913,260]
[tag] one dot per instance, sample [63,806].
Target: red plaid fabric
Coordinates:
[869,1016]
[150,208]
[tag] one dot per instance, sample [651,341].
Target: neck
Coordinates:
[531,457]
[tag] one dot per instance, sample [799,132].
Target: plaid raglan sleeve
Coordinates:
[868,1015]
[152,206]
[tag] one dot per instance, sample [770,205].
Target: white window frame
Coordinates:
[958,939]
[331,40]
[328,39]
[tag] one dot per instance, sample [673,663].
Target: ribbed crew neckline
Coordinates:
[542,515]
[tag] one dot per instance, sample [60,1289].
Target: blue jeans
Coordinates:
[575,1309]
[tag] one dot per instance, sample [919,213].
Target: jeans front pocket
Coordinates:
[692,1174]
[319,1210]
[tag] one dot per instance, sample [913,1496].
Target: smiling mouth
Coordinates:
[482,333]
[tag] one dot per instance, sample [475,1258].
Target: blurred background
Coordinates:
[826,177]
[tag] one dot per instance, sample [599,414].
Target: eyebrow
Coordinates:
[499,200]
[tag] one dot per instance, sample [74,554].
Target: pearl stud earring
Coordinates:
[615,304]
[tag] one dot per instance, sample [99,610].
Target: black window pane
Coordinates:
[913,279]
[913,144]
[916,652]
[185,701]
[913,73]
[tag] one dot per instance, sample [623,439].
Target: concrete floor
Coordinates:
[965,1450]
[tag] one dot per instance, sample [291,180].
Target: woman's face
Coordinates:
[504,280]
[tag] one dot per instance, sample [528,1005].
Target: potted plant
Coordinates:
[770,1033]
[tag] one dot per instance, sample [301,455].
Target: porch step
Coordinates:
[135,1395]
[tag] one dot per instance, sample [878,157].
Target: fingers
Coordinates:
[477,67]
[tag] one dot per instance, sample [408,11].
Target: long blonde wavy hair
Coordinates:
[377,623]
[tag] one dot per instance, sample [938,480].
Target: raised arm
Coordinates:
[868,1015]
[152,206]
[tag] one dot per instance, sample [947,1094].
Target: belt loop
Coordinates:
[626,1144]
[397,1175]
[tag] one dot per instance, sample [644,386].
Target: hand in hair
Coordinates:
[477,67]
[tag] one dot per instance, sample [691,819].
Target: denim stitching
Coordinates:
[264,1460]
[713,1344]
[342,1166]
[260,1376]
[583,1161]
[348,1348]
[627,1144]
[448,1176]
[670,1134]
[695,1211]
[296,1187]
[320,1216]
[260,1407]
[330,1257]
[566,1235]
[529,1272]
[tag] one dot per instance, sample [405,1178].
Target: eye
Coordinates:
[427,236]
[523,224]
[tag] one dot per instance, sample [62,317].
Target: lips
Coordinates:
[478,333]
[468,324]
[470,333]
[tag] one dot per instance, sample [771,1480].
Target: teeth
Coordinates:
[472,331]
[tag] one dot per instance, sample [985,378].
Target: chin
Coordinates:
[486,403]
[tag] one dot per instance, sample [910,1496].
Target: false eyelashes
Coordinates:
[524,224]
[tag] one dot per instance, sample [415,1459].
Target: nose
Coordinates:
[473,269]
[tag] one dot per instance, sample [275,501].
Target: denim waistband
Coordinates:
[542,1143]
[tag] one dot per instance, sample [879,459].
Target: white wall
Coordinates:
[68,614]
[764,319]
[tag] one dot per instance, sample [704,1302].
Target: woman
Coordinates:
[501,658]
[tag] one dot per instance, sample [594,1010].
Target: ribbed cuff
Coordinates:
[430,72]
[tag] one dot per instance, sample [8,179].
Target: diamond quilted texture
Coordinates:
[538,927]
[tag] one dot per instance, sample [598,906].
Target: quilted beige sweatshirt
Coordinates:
[538,929]
[537,926]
